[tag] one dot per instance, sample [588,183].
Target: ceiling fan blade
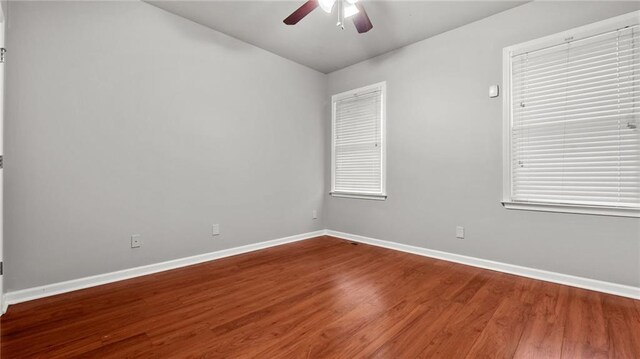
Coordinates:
[361,20]
[302,11]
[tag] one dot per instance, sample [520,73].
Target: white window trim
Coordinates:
[552,40]
[382,87]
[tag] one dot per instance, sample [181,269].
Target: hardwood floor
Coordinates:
[325,298]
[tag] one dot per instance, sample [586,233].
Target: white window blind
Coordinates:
[575,118]
[358,142]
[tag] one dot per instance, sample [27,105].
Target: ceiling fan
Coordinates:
[346,9]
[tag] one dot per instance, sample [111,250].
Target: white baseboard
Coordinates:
[92,281]
[580,282]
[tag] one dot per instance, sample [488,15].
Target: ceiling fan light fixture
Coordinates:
[350,10]
[326,5]
[346,8]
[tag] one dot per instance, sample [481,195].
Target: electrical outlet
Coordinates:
[314,214]
[460,232]
[136,241]
[215,229]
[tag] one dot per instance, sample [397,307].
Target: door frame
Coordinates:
[3,28]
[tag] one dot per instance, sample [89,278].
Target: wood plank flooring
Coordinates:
[325,298]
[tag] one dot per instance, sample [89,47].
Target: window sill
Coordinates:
[375,197]
[575,209]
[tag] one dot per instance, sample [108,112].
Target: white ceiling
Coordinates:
[316,42]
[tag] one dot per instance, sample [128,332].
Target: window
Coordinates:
[571,121]
[358,143]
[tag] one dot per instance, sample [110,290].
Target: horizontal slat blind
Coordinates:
[575,122]
[358,144]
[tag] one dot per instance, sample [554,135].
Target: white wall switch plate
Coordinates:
[215,229]
[136,241]
[460,232]
[314,214]
[494,91]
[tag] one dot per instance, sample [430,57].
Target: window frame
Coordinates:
[382,87]
[538,44]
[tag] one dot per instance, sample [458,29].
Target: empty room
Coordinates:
[319,179]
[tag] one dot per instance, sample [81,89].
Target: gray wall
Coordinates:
[122,118]
[444,154]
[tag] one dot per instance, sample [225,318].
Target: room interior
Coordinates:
[219,179]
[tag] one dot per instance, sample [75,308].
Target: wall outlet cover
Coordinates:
[215,229]
[460,232]
[136,241]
